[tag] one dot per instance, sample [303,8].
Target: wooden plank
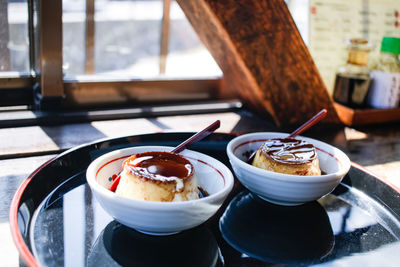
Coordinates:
[100,92]
[25,140]
[262,56]
[355,117]
[15,81]
[345,114]
[24,117]
[35,140]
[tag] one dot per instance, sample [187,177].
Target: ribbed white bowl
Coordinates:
[285,189]
[160,218]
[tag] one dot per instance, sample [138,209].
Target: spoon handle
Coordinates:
[317,117]
[195,138]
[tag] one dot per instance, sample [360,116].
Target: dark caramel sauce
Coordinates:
[289,150]
[161,166]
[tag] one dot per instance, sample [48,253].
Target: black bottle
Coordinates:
[352,81]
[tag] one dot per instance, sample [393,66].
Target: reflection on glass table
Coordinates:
[71,229]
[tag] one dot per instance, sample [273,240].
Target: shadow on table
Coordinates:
[279,234]
[119,245]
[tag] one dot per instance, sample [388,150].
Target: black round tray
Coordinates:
[56,221]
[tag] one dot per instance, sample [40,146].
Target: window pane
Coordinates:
[74,37]
[187,55]
[14,41]
[127,40]
[128,37]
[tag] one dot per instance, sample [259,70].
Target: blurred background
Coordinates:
[127,36]
[126,40]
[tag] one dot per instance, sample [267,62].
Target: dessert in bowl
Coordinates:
[287,155]
[276,180]
[158,176]
[177,207]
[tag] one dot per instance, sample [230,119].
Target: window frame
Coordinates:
[51,90]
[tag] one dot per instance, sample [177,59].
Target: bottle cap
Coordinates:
[360,44]
[390,45]
[358,51]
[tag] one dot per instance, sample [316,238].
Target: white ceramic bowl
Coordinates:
[160,218]
[286,189]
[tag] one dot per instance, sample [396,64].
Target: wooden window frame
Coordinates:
[52,91]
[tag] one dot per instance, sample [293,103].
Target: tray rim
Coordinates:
[356,117]
[19,242]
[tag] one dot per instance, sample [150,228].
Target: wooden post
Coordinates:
[45,25]
[89,37]
[263,57]
[164,36]
[50,48]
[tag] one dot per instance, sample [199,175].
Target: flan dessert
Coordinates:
[289,156]
[158,176]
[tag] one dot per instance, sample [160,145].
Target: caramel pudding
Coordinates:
[158,176]
[289,156]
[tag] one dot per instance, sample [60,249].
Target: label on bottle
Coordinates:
[385,89]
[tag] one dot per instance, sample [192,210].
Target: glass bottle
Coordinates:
[385,89]
[353,80]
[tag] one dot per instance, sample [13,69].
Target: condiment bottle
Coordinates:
[385,89]
[353,80]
